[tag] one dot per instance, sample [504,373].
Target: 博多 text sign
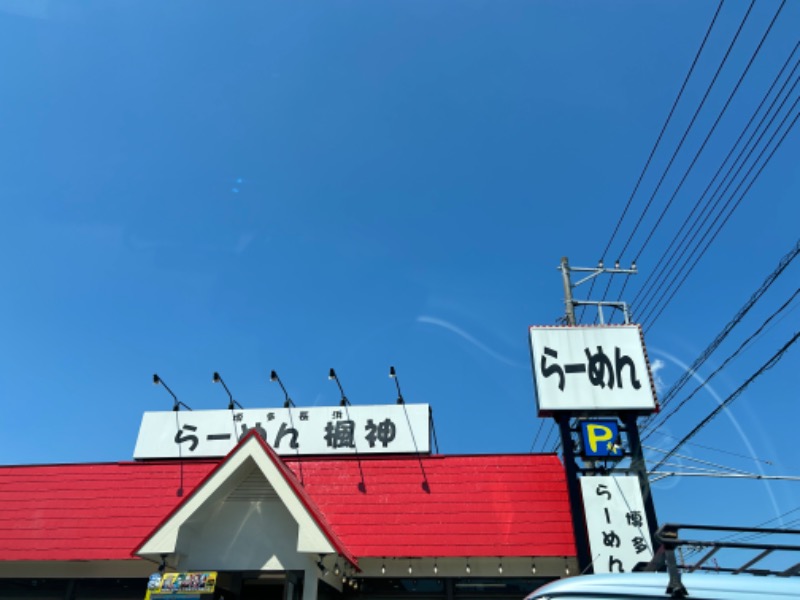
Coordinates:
[619,536]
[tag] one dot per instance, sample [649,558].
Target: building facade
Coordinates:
[288,527]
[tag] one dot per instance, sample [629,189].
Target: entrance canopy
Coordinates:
[250,513]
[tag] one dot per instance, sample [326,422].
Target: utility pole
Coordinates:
[569,301]
[575,466]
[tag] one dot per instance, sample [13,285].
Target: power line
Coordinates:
[664,127]
[699,470]
[662,277]
[657,142]
[743,538]
[659,475]
[735,206]
[742,346]
[538,431]
[700,461]
[689,127]
[663,300]
[663,261]
[666,268]
[760,535]
[739,537]
[547,438]
[719,193]
[724,404]
[728,452]
[785,261]
[711,131]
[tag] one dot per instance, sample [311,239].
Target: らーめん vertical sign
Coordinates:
[585,369]
[616,521]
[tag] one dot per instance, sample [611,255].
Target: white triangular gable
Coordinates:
[246,515]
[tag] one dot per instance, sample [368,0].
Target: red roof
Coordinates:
[88,511]
[488,505]
[508,505]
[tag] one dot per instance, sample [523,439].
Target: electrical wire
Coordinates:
[744,537]
[689,127]
[741,538]
[538,432]
[685,134]
[735,206]
[708,208]
[663,300]
[725,403]
[711,131]
[547,439]
[698,470]
[700,224]
[702,147]
[728,452]
[698,460]
[663,128]
[755,536]
[742,346]
[659,475]
[657,142]
[784,262]
[663,261]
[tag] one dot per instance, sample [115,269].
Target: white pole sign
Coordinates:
[590,369]
[290,431]
[619,536]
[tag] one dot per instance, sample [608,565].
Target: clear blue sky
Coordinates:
[197,186]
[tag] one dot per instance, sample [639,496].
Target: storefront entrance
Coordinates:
[271,586]
[255,589]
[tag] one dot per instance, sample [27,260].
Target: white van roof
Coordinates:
[664,578]
[706,586]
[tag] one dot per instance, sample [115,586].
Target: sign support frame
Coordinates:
[581,534]
[639,467]
[628,418]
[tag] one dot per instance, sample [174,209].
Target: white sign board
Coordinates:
[289,431]
[619,536]
[591,369]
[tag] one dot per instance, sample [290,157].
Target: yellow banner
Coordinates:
[181,584]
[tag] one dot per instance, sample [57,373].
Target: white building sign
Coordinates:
[619,535]
[289,431]
[590,369]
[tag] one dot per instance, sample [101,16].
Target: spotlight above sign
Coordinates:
[591,369]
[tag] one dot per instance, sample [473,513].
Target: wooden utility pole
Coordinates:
[569,303]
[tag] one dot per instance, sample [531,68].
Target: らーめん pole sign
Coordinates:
[585,369]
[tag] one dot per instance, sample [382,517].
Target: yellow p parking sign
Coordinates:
[601,439]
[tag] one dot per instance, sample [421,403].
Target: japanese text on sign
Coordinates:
[588,369]
[619,537]
[317,430]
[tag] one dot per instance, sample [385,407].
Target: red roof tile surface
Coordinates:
[87,511]
[488,505]
[510,505]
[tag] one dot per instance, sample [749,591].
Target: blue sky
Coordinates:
[190,187]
